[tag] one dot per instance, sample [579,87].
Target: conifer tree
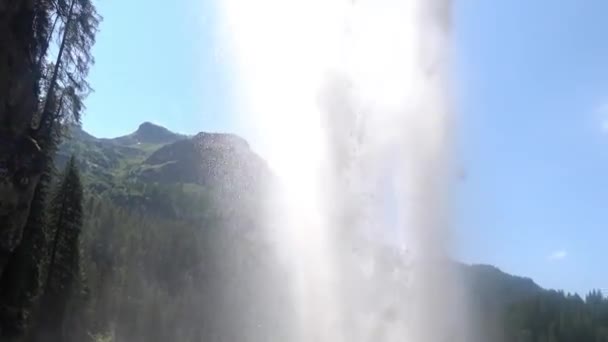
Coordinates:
[20,284]
[66,84]
[40,92]
[64,278]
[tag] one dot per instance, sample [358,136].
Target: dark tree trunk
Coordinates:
[50,95]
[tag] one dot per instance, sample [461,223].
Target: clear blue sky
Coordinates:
[531,80]
[157,61]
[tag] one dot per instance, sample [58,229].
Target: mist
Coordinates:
[349,104]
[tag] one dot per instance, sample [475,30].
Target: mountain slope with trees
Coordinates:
[182,256]
[168,241]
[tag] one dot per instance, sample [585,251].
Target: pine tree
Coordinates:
[40,92]
[64,278]
[66,85]
[20,284]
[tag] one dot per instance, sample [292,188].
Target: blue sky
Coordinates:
[157,63]
[531,86]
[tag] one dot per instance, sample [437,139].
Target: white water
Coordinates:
[348,99]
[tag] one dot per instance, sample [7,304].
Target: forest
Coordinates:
[157,236]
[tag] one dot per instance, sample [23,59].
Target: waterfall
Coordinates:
[348,102]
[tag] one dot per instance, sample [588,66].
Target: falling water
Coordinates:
[347,100]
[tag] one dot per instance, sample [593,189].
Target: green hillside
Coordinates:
[171,221]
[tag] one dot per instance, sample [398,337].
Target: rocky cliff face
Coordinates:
[148,133]
[207,159]
[19,154]
[222,163]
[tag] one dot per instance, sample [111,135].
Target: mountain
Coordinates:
[172,231]
[149,133]
[174,217]
[102,162]
[154,154]
[207,159]
[491,293]
[486,281]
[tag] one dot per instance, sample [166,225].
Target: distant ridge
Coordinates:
[155,155]
[149,133]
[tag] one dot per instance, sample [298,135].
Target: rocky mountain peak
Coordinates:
[148,132]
